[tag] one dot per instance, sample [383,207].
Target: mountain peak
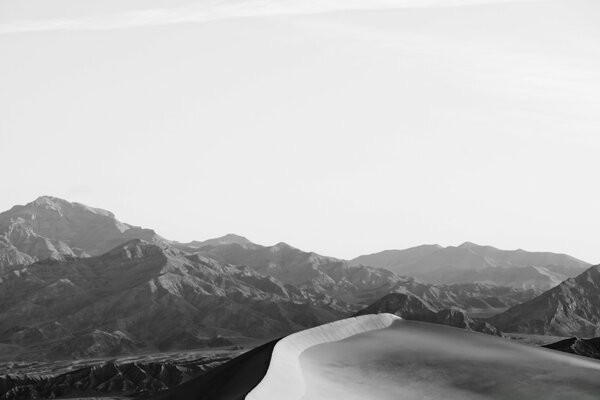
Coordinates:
[232,238]
[467,245]
[229,238]
[49,200]
[50,225]
[281,246]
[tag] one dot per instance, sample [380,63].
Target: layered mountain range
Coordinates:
[145,296]
[75,282]
[470,262]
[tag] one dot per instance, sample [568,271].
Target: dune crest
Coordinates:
[283,379]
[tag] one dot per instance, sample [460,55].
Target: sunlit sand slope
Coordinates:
[283,379]
[383,357]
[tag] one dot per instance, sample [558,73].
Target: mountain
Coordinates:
[195,245]
[143,296]
[305,270]
[127,379]
[581,347]
[569,309]
[230,238]
[361,285]
[115,378]
[469,263]
[467,296]
[77,282]
[54,228]
[397,260]
[408,306]
[364,286]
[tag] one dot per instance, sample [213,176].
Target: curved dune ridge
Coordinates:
[383,357]
[283,379]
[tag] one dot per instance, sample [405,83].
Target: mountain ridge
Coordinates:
[569,309]
[143,296]
[471,263]
[49,227]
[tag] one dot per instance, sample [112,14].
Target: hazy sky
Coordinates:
[339,126]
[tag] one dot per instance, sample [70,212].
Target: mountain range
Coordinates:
[470,262]
[75,282]
[408,306]
[144,296]
[571,308]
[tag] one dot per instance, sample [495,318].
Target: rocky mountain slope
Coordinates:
[360,285]
[411,307]
[142,296]
[109,378]
[65,292]
[570,309]
[470,263]
[54,228]
[581,347]
[305,270]
[472,297]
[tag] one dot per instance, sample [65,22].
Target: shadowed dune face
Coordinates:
[414,360]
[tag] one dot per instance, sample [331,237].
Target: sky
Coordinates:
[343,127]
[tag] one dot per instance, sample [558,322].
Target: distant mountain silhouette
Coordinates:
[397,260]
[570,309]
[230,238]
[469,263]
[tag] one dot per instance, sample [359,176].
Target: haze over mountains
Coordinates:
[76,282]
[53,228]
[470,262]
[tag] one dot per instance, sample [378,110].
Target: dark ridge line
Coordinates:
[232,380]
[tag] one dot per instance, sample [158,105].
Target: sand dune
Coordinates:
[385,357]
[283,379]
